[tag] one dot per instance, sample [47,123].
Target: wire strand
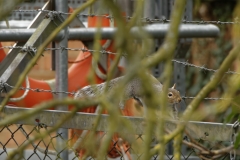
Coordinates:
[144,19]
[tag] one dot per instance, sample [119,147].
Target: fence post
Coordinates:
[62,78]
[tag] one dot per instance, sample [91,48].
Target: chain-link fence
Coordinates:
[200,141]
[16,135]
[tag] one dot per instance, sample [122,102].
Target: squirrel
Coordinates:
[133,89]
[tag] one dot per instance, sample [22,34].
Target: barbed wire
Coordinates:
[145,19]
[32,49]
[59,48]
[209,98]
[202,67]
[3,85]
[186,63]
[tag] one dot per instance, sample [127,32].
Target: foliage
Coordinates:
[140,65]
[215,50]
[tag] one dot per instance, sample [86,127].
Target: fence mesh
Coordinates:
[14,136]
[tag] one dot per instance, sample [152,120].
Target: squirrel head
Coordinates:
[174,95]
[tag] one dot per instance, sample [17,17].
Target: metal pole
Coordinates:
[149,9]
[62,79]
[87,34]
[149,12]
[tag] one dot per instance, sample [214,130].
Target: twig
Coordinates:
[46,105]
[206,89]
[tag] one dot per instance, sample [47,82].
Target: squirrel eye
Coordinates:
[170,94]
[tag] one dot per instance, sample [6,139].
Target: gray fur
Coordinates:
[132,90]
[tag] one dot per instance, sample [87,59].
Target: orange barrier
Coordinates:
[77,74]
[2,53]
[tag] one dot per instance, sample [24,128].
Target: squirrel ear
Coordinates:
[174,86]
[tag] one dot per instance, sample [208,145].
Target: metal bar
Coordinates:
[53,59]
[40,16]
[183,47]
[13,52]
[149,12]
[149,9]
[62,78]
[84,121]
[16,65]
[21,35]
[86,34]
